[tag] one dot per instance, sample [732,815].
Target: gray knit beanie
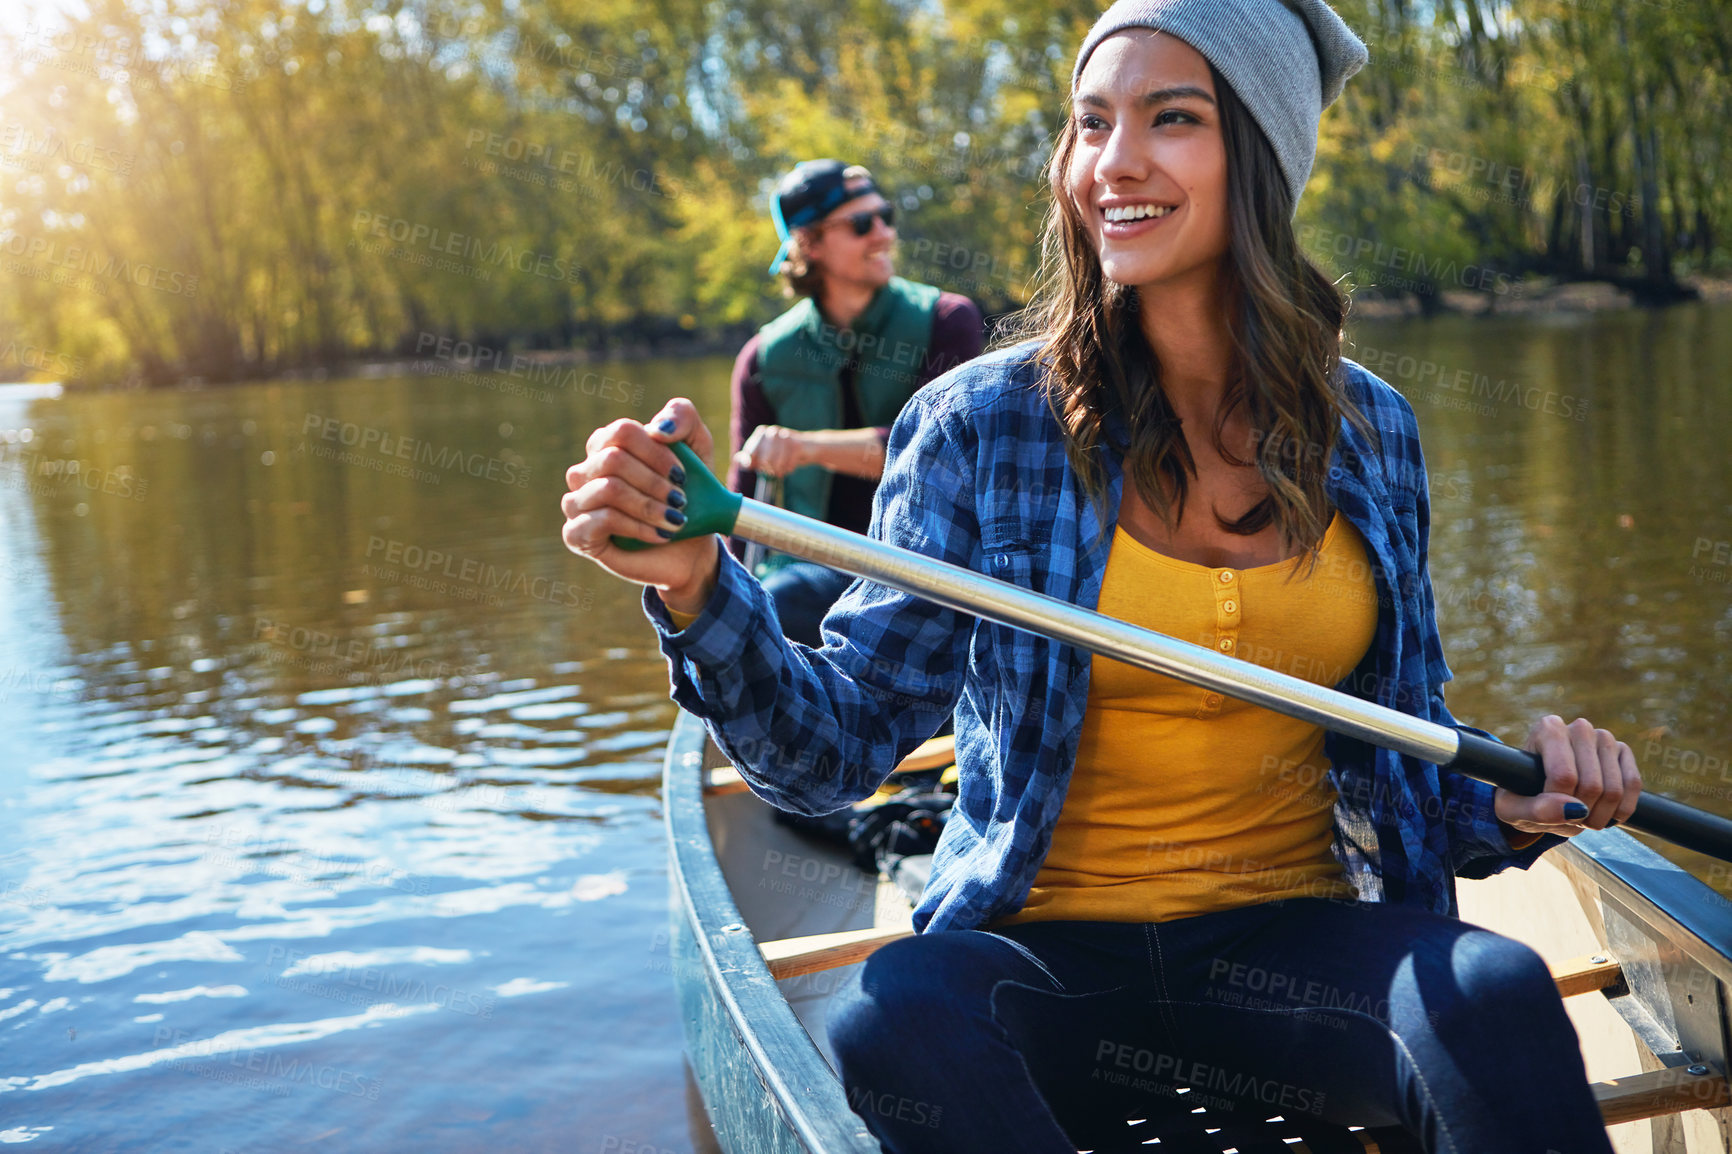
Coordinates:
[1286,59]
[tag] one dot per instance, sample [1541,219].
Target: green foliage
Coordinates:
[239,189]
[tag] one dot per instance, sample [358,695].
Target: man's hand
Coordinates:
[632,485]
[773,450]
[776,451]
[1591,780]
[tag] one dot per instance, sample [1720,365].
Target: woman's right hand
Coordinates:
[631,484]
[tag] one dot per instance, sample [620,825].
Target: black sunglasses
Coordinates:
[862,221]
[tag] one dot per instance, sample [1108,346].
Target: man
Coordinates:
[816,390]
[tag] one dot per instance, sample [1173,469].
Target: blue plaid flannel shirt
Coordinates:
[977,475]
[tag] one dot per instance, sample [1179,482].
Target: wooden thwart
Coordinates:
[1660,1092]
[1587,974]
[1629,1099]
[722,781]
[934,753]
[814,952]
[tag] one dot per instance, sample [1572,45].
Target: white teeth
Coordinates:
[1137,211]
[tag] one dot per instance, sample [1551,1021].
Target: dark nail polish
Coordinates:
[664,532]
[675,517]
[665,425]
[1575,811]
[677,474]
[677,499]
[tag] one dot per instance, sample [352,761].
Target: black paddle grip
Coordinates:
[1502,765]
[1521,772]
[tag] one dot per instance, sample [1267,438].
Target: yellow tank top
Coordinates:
[1183,801]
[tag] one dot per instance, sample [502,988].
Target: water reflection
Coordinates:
[1579,464]
[334,781]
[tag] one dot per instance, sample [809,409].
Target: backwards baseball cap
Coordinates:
[808,194]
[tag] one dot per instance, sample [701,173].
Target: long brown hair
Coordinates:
[801,275]
[1285,318]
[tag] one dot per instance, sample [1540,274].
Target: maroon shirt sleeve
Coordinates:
[958,335]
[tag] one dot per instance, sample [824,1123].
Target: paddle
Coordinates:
[711,508]
[769,492]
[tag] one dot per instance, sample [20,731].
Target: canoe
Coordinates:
[765,925]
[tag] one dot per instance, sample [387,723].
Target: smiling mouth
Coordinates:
[1127,213]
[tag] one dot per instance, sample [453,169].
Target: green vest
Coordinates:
[800,358]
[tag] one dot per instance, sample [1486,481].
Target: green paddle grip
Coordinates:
[710,506]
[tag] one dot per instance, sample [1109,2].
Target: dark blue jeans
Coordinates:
[803,592]
[1045,1037]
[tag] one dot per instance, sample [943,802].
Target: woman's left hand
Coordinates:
[1585,767]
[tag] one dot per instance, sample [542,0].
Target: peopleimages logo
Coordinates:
[325,653]
[439,241]
[544,165]
[380,444]
[42,475]
[470,578]
[74,259]
[38,359]
[257,1067]
[478,363]
[368,984]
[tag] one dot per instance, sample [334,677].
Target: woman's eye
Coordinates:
[1090,123]
[1182,117]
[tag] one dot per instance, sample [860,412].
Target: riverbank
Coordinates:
[566,367]
[1526,298]
[1529,298]
[450,357]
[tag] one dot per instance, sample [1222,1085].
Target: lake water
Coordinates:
[330,780]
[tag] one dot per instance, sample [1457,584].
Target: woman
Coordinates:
[1145,887]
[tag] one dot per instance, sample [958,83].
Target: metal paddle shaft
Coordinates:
[767,492]
[719,511]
